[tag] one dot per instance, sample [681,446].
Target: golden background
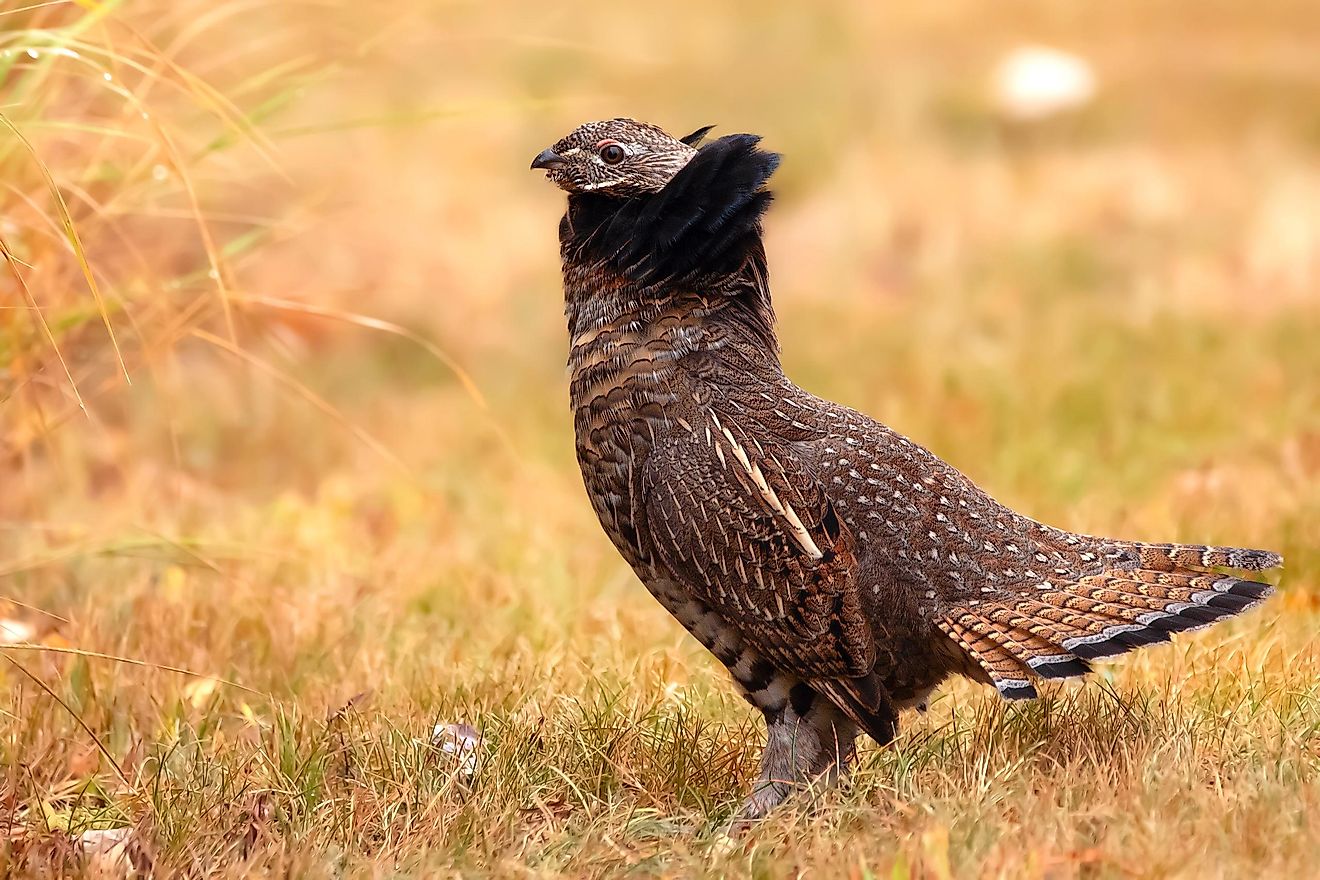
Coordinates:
[340,487]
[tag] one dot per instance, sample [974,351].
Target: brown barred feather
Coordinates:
[1010,676]
[866,702]
[1170,557]
[1024,640]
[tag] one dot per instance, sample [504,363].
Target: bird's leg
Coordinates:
[810,742]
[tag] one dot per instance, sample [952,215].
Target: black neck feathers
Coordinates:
[700,234]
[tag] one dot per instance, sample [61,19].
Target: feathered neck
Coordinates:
[700,234]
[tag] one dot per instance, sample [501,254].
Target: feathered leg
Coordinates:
[810,742]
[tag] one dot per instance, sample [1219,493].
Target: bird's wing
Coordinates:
[750,531]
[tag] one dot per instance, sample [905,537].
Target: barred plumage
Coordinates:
[838,569]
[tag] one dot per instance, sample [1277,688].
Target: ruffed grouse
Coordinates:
[838,569]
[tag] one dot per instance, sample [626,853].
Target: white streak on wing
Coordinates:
[796,528]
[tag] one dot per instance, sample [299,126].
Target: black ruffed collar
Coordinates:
[701,229]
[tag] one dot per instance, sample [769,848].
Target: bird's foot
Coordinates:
[809,752]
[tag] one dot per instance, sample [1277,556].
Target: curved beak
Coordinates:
[548,158]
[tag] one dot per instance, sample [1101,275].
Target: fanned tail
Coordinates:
[1051,629]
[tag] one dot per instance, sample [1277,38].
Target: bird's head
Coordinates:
[617,157]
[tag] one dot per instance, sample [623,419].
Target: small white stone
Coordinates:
[15,631]
[1035,82]
[460,740]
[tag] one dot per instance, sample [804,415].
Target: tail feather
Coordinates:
[1026,638]
[1010,676]
[1168,557]
[1051,629]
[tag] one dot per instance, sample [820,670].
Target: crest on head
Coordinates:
[617,157]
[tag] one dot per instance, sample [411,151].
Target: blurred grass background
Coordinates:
[325,460]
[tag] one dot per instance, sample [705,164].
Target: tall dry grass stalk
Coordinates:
[119,137]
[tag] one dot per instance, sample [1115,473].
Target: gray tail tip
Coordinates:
[1259,560]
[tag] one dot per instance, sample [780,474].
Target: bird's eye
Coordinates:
[611,154]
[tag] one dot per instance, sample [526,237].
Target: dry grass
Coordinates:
[349,531]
